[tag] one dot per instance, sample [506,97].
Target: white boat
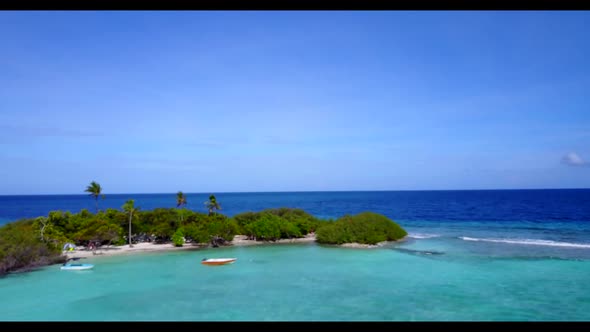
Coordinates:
[76,266]
[218,261]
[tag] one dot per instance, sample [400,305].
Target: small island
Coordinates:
[30,243]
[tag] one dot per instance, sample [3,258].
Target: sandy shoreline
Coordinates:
[239,240]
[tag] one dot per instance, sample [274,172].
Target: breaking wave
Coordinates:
[422,236]
[529,242]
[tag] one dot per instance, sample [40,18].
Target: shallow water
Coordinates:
[305,282]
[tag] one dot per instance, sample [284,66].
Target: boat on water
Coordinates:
[218,261]
[76,266]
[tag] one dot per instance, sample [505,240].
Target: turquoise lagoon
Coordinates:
[440,279]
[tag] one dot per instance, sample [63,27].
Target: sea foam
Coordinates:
[535,242]
[422,235]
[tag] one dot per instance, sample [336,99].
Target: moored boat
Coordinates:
[218,261]
[76,266]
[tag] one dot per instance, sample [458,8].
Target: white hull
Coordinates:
[218,261]
[77,267]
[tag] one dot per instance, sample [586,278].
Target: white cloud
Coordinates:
[572,159]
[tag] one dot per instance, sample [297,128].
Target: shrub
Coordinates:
[195,218]
[266,227]
[196,233]
[178,238]
[287,222]
[288,229]
[244,219]
[21,248]
[365,228]
[304,221]
[219,225]
[160,222]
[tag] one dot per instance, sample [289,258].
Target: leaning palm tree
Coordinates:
[212,204]
[180,202]
[130,208]
[180,199]
[95,190]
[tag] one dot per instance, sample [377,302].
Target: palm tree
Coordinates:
[180,202]
[130,208]
[95,190]
[180,199]
[212,204]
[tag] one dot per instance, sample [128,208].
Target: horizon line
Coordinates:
[296,191]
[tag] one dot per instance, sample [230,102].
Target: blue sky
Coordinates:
[293,101]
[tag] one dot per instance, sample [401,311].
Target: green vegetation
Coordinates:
[275,224]
[364,228]
[29,243]
[38,241]
[178,238]
[22,247]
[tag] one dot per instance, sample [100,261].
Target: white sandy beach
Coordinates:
[239,240]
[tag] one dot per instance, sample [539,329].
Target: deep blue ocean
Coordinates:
[470,255]
[494,206]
